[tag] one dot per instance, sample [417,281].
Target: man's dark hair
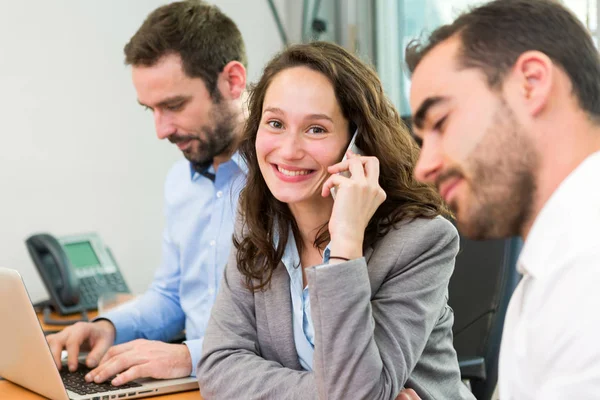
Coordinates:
[494,35]
[204,37]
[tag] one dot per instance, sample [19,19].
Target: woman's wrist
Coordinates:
[343,250]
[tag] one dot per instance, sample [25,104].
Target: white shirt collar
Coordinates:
[571,203]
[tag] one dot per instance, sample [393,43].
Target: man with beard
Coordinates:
[189,68]
[506,101]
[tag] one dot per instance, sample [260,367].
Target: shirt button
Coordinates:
[211,291]
[212,243]
[219,194]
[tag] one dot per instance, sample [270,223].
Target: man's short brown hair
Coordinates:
[204,37]
[495,34]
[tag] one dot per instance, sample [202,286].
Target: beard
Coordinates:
[501,187]
[213,139]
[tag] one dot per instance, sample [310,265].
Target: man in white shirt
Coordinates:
[506,102]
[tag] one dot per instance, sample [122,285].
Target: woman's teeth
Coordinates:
[292,173]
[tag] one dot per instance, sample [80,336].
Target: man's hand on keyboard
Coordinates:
[97,336]
[140,359]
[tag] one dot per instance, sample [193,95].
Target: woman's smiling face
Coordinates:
[302,132]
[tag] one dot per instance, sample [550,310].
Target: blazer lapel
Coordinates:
[368,253]
[278,304]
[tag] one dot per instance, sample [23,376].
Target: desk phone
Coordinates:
[75,269]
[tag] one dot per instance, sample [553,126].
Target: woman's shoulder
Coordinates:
[411,238]
[423,230]
[422,250]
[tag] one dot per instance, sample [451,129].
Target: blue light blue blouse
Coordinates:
[304,332]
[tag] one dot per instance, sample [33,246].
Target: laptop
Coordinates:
[25,358]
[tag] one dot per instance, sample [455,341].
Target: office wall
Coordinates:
[77,152]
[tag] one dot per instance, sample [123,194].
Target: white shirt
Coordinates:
[551,340]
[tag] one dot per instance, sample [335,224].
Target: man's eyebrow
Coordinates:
[168,101]
[421,113]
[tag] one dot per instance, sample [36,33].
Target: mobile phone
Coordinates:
[354,148]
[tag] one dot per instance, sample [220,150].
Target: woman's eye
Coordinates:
[275,124]
[316,130]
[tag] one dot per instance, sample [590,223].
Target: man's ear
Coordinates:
[232,80]
[534,73]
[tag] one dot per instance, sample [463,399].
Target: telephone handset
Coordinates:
[354,148]
[56,272]
[75,269]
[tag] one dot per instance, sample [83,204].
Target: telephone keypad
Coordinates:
[92,286]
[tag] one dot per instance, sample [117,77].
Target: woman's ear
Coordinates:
[232,80]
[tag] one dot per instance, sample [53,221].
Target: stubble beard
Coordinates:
[502,186]
[217,138]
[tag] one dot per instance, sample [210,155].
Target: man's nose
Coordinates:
[430,162]
[164,127]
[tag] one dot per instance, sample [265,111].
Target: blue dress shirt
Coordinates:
[200,216]
[304,332]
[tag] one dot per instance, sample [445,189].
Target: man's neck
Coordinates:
[230,151]
[564,148]
[224,157]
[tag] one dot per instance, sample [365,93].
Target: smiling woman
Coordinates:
[324,298]
[301,133]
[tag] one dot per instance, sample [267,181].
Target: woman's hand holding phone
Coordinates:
[357,199]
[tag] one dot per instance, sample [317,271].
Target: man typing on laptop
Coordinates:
[189,69]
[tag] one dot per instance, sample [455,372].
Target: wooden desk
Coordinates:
[10,391]
[91,315]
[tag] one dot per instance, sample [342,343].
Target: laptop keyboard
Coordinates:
[75,382]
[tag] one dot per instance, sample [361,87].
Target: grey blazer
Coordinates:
[381,322]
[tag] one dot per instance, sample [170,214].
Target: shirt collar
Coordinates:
[291,258]
[236,159]
[196,175]
[239,161]
[562,213]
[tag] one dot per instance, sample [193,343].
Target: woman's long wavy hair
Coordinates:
[381,133]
